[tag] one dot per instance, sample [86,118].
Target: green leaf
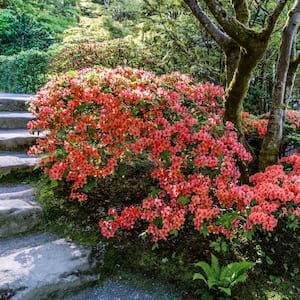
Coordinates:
[242,267]
[135,111]
[154,191]
[227,290]
[184,200]
[54,183]
[155,246]
[226,219]
[200,277]
[143,235]
[211,282]
[269,260]
[158,222]
[206,268]
[241,278]
[224,247]
[215,265]
[174,232]
[235,271]
[165,156]
[90,185]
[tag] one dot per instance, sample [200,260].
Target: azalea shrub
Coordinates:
[255,128]
[94,119]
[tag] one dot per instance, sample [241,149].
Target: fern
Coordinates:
[222,279]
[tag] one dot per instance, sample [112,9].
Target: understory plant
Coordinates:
[221,279]
[96,118]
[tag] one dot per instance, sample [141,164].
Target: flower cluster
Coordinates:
[258,125]
[96,117]
[275,193]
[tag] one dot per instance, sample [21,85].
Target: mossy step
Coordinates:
[43,266]
[19,211]
[14,102]
[14,120]
[17,162]
[17,139]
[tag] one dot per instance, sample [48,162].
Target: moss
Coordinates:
[17,177]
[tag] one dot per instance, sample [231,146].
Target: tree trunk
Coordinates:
[232,59]
[291,75]
[234,97]
[272,141]
[239,84]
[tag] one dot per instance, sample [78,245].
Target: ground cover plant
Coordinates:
[96,118]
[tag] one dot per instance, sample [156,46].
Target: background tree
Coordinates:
[286,69]
[20,32]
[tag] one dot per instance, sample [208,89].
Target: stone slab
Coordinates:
[16,162]
[10,96]
[44,267]
[17,139]
[14,120]
[19,211]
[14,102]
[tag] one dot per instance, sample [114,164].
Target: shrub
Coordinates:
[96,118]
[113,53]
[24,72]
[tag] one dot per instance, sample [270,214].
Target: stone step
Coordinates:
[14,120]
[17,162]
[19,211]
[17,139]
[14,102]
[43,266]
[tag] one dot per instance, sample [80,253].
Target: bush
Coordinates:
[96,118]
[113,53]
[24,72]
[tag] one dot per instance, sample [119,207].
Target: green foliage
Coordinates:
[20,31]
[54,16]
[221,279]
[24,72]
[117,52]
[122,10]
[172,33]
[278,251]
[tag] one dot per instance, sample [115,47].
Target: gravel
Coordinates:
[119,289]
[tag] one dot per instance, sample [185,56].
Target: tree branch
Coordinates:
[241,11]
[217,34]
[234,28]
[272,18]
[296,62]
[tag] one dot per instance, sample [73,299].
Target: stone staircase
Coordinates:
[38,265]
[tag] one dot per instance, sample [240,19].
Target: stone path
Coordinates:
[33,266]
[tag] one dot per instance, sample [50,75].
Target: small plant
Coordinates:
[221,279]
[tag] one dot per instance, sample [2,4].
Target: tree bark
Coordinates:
[291,76]
[239,85]
[271,143]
